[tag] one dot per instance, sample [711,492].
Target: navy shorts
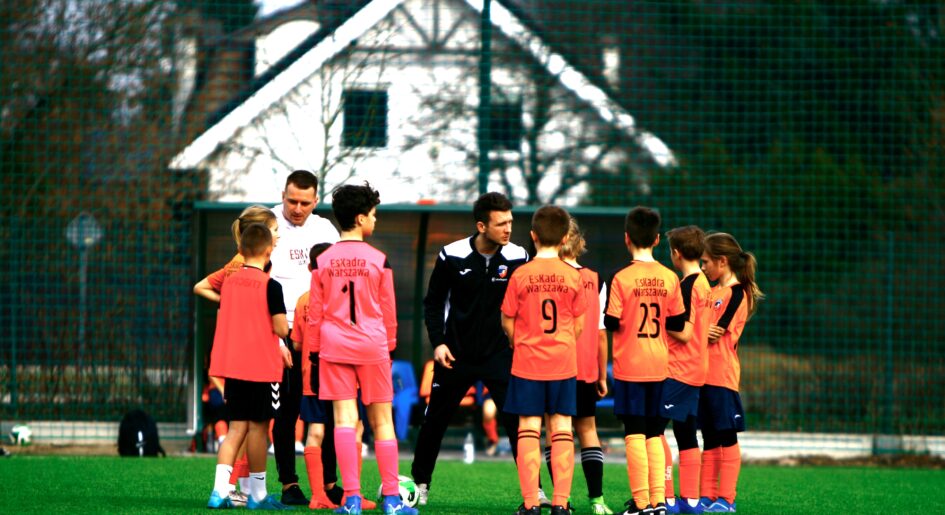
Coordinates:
[250,400]
[637,399]
[534,398]
[720,409]
[680,400]
[315,411]
[586,399]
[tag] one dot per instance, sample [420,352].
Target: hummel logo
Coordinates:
[668,406]
[466,271]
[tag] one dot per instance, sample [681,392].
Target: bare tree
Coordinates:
[561,143]
[321,98]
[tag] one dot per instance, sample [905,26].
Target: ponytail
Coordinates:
[743,265]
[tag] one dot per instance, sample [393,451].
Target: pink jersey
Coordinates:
[352,312]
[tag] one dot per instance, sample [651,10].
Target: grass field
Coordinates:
[57,484]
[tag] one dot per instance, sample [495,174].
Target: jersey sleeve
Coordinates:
[274,298]
[315,310]
[434,303]
[615,299]
[510,301]
[298,332]
[734,302]
[389,306]
[675,305]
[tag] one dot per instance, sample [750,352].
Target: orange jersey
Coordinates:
[244,345]
[730,311]
[298,336]
[588,348]
[544,296]
[216,278]
[642,296]
[689,362]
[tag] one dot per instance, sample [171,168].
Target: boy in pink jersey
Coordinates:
[353,321]
[246,353]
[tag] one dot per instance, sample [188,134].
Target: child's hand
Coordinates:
[602,388]
[286,356]
[715,332]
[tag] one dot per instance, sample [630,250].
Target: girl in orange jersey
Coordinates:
[209,287]
[592,374]
[733,301]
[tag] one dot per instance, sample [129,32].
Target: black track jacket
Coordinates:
[462,304]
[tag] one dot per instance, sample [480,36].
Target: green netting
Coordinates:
[813,131]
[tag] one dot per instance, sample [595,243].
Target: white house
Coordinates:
[390,93]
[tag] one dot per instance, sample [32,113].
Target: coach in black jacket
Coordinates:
[462,317]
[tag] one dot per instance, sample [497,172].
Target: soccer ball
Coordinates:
[407,489]
[21,434]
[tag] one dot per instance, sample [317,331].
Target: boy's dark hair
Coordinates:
[349,201]
[316,251]
[642,226]
[302,179]
[550,224]
[254,241]
[489,202]
[689,240]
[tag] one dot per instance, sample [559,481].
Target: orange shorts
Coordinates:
[340,381]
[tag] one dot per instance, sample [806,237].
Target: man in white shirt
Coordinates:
[299,230]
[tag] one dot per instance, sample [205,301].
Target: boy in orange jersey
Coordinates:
[733,301]
[688,364]
[352,320]
[641,297]
[543,315]
[209,288]
[246,352]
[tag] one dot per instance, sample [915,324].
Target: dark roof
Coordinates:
[333,22]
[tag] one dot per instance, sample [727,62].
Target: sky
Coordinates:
[267,7]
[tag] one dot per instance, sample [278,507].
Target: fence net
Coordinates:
[813,131]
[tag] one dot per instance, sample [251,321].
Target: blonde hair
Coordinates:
[254,214]
[575,246]
[743,265]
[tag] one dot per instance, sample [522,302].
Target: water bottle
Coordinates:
[469,449]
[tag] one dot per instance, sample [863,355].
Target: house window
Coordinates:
[365,118]
[505,124]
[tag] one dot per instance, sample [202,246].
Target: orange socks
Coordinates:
[491,429]
[711,463]
[656,462]
[728,473]
[638,469]
[562,466]
[670,490]
[313,465]
[690,461]
[529,465]
[240,469]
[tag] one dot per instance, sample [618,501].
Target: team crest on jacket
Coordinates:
[503,270]
[718,303]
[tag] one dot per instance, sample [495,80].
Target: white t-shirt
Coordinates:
[290,256]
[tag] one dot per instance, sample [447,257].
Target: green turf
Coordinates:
[66,485]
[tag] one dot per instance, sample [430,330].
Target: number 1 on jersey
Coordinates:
[349,289]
